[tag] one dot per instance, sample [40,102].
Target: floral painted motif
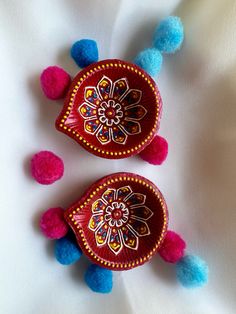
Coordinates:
[119,218]
[111,110]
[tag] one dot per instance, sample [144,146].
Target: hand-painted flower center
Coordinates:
[116,214]
[110,113]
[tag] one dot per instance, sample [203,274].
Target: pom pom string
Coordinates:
[55,82]
[150,60]
[84,52]
[98,279]
[156,152]
[53,224]
[67,250]
[169,35]
[168,38]
[172,249]
[46,167]
[192,271]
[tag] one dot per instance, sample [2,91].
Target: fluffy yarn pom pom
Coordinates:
[150,60]
[67,250]
[52,223]
[156,152]
[46,167]
[84,52]
[169,35]
[98,279]
[192,271]
[172,248]
[54,82]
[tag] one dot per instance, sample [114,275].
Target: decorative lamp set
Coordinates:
[113,108]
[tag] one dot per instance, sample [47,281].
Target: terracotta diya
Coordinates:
[112,109]
[120,222]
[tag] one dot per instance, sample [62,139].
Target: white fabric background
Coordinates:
[198,178]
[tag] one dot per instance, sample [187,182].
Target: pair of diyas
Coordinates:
[113,109]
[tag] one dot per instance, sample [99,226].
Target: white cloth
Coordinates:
[198,179]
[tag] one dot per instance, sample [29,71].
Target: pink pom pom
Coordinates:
[52,223]
[156,152]
[46,167]
[172,248]
[55,82]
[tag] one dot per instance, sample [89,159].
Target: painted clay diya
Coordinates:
[120,222]
[112,109]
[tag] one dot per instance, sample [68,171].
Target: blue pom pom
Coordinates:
[192,271]
[169,35]
[98,279]
[150,60]
[84,52]
[67,250]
